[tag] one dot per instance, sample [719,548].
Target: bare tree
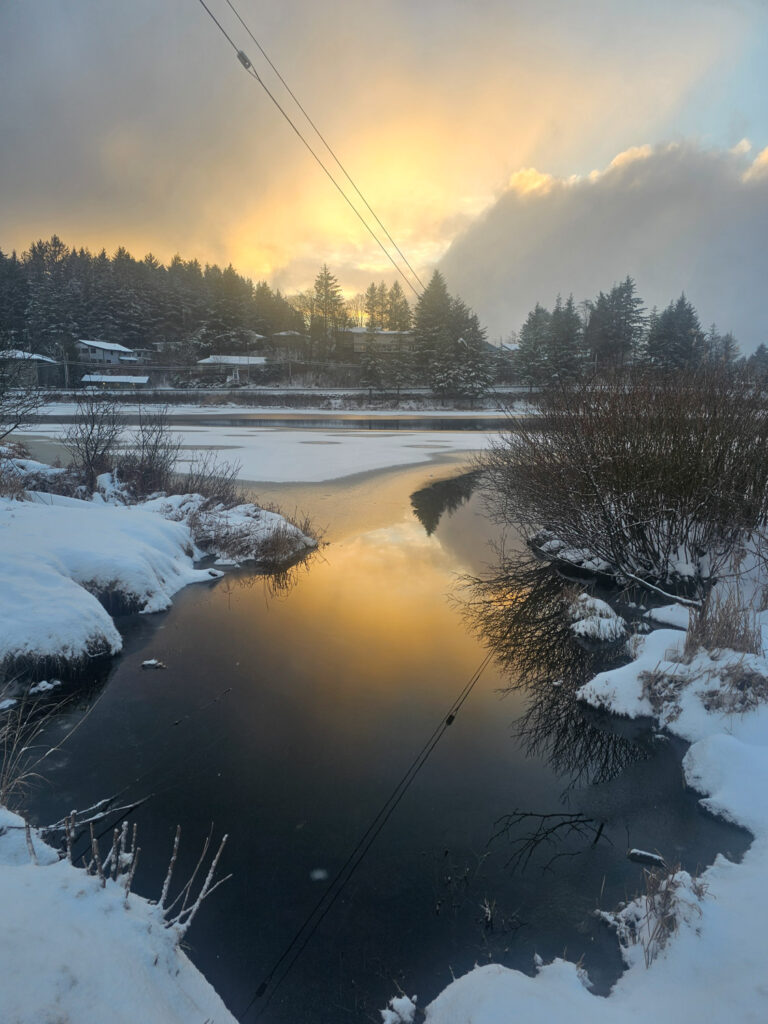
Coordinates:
[19,397]
[93,439]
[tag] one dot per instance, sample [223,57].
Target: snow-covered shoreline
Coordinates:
[63,558]
[73,950]
[712,967]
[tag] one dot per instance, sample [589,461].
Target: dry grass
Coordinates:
[20,726]
[723,623]
[214,478]
[654,918]
[742,689]
[662,691]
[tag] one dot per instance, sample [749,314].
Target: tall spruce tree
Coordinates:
[398,310]
[675,338]
[432,322]
[329,314]
[533,346]
[563,345]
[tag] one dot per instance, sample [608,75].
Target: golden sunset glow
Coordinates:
[435,113]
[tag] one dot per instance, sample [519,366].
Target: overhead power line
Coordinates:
[314,919]
[246,63]
[322,138]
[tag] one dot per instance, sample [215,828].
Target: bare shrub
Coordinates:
[11,480]
[19,398]
[214,478]
[660,476]
[148,462]
[723,623]
[93,439]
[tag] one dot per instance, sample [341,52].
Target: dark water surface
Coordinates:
[333,686]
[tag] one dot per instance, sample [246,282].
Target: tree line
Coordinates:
[615,331]
[51,295]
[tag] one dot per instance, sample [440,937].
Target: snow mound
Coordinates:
[73,952]
[57,555]
[593,619]
[244,532]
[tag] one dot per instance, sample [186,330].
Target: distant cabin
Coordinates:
[106,353]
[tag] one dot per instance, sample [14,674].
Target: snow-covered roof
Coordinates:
[107,378]
[16,353]
[107,346]
[129,359]
[288,334]
[232,361]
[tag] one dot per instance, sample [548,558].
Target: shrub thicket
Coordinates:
[660,476]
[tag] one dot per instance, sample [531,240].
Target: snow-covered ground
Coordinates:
[276,455]
[712,967]
[72,952]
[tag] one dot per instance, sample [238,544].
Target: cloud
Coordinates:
[132,123]
[675,217]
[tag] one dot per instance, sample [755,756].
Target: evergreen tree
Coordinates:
[371,306]
[614,327]
[675,339]
[329,314]
[398,310]
[432,321]
[563,342]
[371,367]
[534,345]
[757,363]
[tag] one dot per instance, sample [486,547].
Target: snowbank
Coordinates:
[59,555]
[72,952]
[712,964]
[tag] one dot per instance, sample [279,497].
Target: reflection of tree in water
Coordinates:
[520,612]
[276,584]
[431,502]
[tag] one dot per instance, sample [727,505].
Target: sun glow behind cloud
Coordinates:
[128,130]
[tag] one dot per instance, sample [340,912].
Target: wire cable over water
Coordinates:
[316,916]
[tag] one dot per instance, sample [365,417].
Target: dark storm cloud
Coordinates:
[676,218]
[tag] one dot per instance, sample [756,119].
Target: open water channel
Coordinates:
[288,712]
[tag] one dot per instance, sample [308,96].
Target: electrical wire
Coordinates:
[318,913]
[246,63]
[322,138]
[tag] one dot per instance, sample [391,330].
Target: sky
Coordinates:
[133,124]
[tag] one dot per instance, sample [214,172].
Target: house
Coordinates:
[113,382]
[106,353]
[356,340]
[33,368]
